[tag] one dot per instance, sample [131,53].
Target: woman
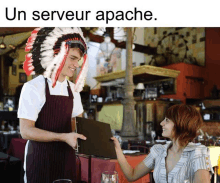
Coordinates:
[49,103]
[179,160]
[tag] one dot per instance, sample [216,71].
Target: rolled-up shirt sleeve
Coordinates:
[78,107]
[29,102]
[149,161]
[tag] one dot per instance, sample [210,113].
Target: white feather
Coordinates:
[31,68]
[81,80]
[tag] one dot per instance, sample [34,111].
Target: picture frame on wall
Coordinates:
[14,70]
[1,106]
[22,78]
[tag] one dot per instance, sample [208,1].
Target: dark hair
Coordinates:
[77,45]
[187,121]
[68,37]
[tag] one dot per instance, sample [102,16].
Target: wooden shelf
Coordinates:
[211,120]
[211,103]
[146,71]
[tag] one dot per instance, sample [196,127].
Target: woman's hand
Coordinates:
[117,144]
[132,174]
[71,139]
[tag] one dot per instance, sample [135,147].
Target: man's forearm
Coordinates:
[36,134]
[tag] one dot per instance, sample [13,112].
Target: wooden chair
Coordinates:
[151,177]
[217,142]
[209,142]
[6,162]
[215,177]
[138,145]
[17,148]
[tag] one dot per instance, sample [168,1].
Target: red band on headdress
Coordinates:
[31,39]
[61,66]
[27,64]
[84,60]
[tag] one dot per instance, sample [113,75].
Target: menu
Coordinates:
[98,142]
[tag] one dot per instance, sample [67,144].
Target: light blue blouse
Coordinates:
[193,158]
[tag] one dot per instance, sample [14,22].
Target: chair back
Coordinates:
[17,148]
[138,145]
[210,142]
[6,162]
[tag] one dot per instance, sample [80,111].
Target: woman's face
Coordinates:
[71,63]
[167,127]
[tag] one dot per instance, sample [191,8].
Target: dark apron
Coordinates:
[48,161]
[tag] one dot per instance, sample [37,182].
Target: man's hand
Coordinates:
[30,132]
[71,138]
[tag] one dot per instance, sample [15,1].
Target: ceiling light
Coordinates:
[107,47]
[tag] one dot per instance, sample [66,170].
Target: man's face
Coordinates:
[71,63]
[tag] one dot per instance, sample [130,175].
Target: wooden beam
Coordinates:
[138,48]
[14,30]
[94,38]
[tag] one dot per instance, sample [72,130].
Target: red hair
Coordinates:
[187,121]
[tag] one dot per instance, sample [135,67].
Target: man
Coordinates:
[49,103]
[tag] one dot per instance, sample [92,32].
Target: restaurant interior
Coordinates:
[135,74]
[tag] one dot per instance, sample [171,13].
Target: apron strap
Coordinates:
[70,91]
[47,88]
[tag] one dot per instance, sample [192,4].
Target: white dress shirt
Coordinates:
[33,97]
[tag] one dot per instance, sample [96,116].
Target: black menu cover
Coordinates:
[98,142]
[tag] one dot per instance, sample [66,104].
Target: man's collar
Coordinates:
[64,82]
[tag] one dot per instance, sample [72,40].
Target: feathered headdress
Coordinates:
[49,48]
